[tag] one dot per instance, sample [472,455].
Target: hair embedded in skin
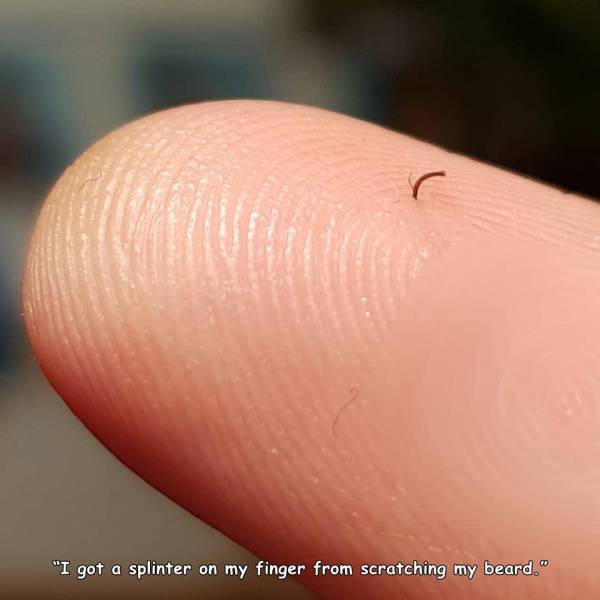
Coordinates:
[91,180]
[353,393]
[415,187]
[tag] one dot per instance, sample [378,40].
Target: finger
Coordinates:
[244,302]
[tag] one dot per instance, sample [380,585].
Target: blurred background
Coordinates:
[516,83]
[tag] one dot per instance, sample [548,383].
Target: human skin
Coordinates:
[243,301]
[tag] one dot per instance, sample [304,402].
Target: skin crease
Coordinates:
[205,287]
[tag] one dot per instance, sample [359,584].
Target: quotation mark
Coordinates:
[63,564]
[543,563]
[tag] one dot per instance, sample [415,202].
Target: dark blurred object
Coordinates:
[29,148]
[6,326]
[516,83]
[191,68]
